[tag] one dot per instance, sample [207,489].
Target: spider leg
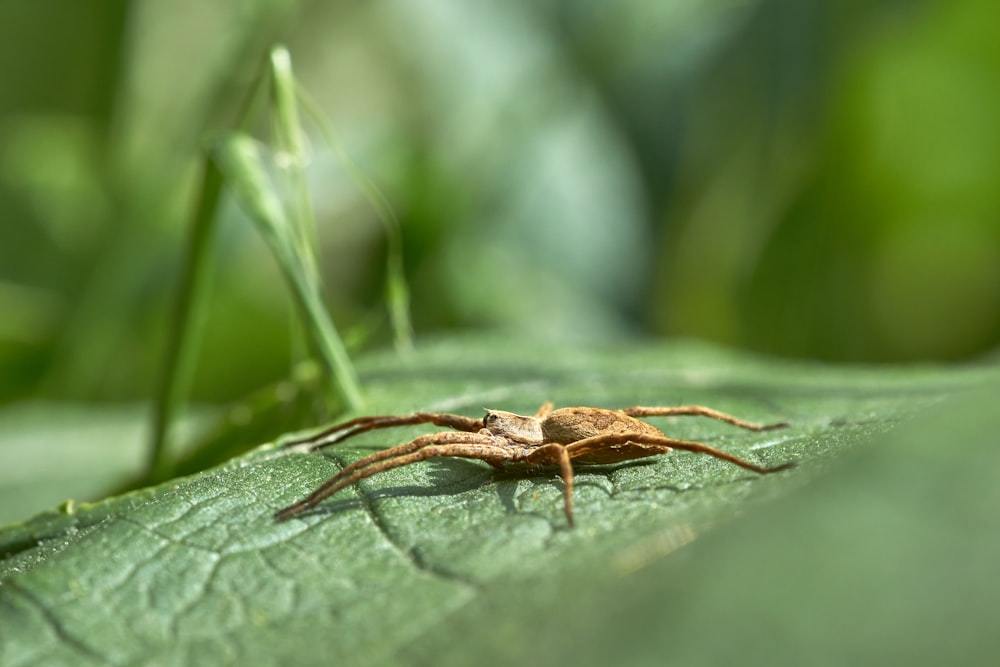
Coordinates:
[699,411]
[555,453]
[544,410]
[338,432]
[658,445]
[468,445]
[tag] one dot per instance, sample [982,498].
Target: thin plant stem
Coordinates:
[187,318]
[290,233]
[397,290]
[239,157]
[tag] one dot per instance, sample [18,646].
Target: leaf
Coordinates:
[451,562]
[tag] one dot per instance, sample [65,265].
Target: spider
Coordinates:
[549,438]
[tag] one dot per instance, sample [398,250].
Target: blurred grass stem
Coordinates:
[288,227]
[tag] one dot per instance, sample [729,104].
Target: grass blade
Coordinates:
[241,162]
[397,290]
[187,319]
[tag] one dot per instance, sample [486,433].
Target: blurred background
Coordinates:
[807,179]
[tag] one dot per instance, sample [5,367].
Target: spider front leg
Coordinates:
[481,446]
[344,430]
[699,411]
[544,410]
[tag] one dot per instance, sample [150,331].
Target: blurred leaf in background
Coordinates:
[811,179]
[836,195]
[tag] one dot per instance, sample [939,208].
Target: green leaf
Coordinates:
[452,562]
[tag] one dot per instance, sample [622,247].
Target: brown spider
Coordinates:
[550,437]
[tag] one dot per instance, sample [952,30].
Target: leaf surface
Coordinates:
[451,561]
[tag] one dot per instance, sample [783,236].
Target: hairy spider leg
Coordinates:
[344,430]
[662,445]
[467,445]
[561,455]
[556,453]
[699,411]
[544,410]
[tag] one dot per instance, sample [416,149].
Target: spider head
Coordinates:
[527,430]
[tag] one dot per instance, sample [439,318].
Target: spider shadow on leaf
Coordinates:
[694,476]
[667,481]
[508,478]
[452,477]
[447,477]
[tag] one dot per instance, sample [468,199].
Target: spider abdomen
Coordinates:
[568,425]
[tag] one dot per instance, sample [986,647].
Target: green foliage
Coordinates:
[806,178]
[810,179]
[243,164]
[851,553]
[282,213]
